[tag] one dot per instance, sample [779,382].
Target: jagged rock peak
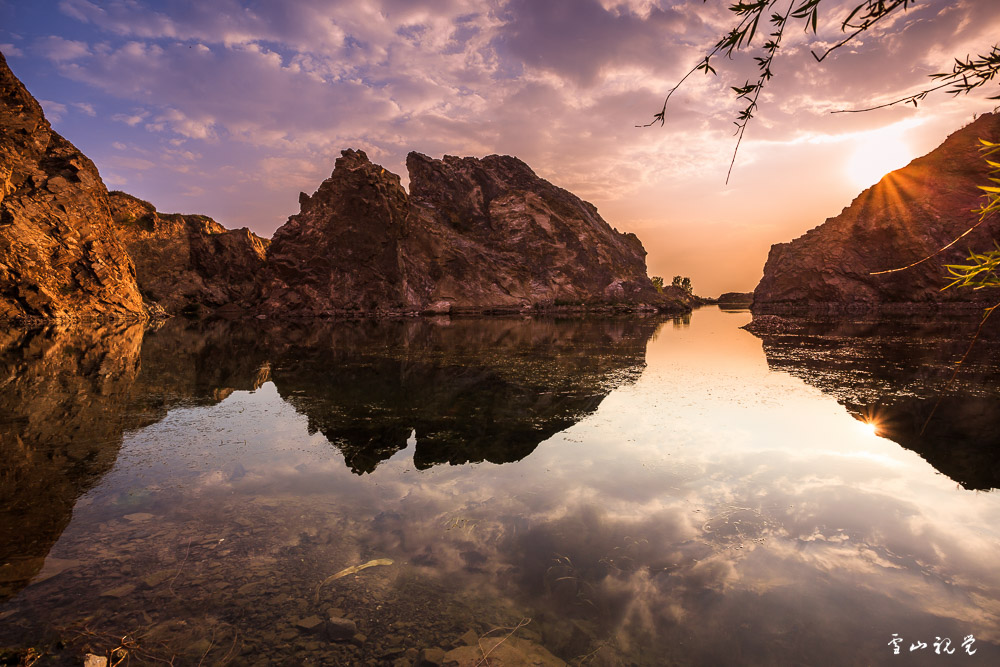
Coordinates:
[473,234]
[59,256]
[908,215]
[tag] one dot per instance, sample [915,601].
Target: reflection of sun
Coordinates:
[876,154]
[870,420]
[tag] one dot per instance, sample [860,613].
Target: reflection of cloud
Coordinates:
[814,540]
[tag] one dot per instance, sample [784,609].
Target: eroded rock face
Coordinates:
[188,263]
[342,252]
[59,256]
[473,235]
[908,215]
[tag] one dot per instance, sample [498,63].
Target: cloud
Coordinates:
[132,119]
[579,39]
[85,108]
[54,111]
[274,84]
[60,50]
[11,51]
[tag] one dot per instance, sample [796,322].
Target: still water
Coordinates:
[619,491]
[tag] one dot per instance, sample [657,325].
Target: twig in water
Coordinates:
[181,567]
[958,365]
[486,654]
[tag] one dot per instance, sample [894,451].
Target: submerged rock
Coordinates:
[771,324]
[340,629]
[502,652]
[188,263]
[473,235]
[59,256]
[908,215]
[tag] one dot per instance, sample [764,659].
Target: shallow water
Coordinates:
[632,491]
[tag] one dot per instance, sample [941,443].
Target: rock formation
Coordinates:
[735,299]
[59,257]
[908,215]
[188,263]
[473,235]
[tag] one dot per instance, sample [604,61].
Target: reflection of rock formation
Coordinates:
[61,395]
[471,391]
[895,375]
[66,398]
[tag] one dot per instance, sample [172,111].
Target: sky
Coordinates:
[230,108]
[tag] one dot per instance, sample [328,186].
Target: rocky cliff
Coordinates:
[59,257]
[472,235]
[908,215]
[188,263]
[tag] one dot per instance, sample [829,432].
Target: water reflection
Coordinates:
[897,376]
[61,404]
[682,503]
[471,391]
[468,390]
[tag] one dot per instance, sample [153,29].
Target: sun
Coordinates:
[875,155]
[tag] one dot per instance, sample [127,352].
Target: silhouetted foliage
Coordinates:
[682,282]
[966,75]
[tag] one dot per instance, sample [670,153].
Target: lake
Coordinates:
[618,491]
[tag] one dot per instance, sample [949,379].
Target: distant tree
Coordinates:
[657,283]
[682,282]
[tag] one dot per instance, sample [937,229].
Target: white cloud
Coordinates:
[85,108]
[54,111]
[279,87]
[132,119]
[60,50]
[11,51]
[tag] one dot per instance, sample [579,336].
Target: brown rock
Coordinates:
[908,215]
[735,299]
[430,657]
[59,257]
[340,629]
[188,263]
[502,653]
[473,235]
